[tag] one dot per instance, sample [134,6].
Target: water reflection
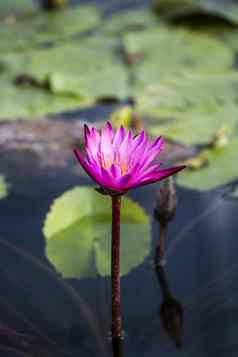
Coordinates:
[72,317]
[209,309]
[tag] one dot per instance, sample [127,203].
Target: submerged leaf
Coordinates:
[220,170]
[77,231]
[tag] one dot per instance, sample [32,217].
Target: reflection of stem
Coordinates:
[117,346]
[115,269]
[171,311]
[162,279]
[164,212]
[160,248]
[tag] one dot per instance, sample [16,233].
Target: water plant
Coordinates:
[118,161]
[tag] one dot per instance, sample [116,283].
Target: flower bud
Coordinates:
[166,202]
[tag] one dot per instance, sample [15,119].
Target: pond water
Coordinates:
[71,317]
[201,270]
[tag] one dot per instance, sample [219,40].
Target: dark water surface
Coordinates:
[72,317]
[201,265]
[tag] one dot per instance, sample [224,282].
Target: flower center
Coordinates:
[123,168]
[106,162]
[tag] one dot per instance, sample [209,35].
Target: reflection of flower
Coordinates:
[117,161]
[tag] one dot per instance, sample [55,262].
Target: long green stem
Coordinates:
[115,269]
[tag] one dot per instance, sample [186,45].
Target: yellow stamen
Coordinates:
[123,168]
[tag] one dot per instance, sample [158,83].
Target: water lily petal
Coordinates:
[159,175]
[118,138]
[92,172]
[118,161]
[151,152]
[115,172]
[123,183]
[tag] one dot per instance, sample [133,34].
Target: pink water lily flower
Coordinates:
[118,161]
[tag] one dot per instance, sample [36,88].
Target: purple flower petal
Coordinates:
[107,178]
[118,162]
[123,182]
[90,171]
[115,172]
[158,176]
[118,138]
[125,149]
[106,150]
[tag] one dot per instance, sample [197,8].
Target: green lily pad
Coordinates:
[192,108]
[44,27]
[16,7]
[221,169]
[195,127]
[31,102]
[225,34]
[78,234]
[3,187]
[172,9]
[74,68]
[161,52]
[130,20]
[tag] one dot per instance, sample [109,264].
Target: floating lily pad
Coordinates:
[221,169]
[130,20]
[3,187]
[78,234]
[161,52]
[45,27]
[195,127]
[88,68]
[12,8]
[172,9]
[192,108]
[31,102]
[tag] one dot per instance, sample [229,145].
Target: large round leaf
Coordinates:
[129,21]
[12,8]
[31,102]
[161,52]
[45,27]
[191,108]
[74,68]
[78,233]
[220,170]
